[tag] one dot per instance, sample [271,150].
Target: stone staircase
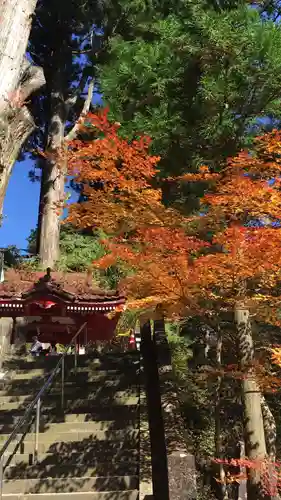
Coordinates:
[88,451]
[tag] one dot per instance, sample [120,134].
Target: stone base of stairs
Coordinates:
[88,451]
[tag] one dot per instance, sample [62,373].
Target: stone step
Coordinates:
[75,421]
[101,495]
[43,470]
[77,395]
[70,484]
[97,369]
[38,368]
[73,405]
[105,446]
[79,425]
[79,376]
[71,388]
[33,387]
[71,414]
[91,455]
[79,380]
[26,363]
[50,436]
[94,377]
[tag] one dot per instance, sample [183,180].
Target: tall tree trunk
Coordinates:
[20,128]
[18,80]
[251,400]
[54,171]
[15,22]
[53,174]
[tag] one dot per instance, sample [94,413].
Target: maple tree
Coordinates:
[161,245]
[198,265]
[117,177]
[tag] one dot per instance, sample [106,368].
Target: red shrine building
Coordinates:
[55,306]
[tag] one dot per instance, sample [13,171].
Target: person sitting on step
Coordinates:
[36,347]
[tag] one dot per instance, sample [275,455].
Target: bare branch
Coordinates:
[71,101]
[73,132]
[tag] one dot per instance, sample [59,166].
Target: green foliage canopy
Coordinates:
[195,76]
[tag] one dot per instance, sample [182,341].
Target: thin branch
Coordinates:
[82,51]
[71,101]
[73,132]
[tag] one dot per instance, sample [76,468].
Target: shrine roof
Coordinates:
[73,287]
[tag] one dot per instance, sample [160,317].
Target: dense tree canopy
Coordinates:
[196,76]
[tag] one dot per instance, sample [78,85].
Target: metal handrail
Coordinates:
[37,402]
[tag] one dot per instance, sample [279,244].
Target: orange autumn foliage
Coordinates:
[276,355]
[162,261]
[270,473]
[117,179]
[246,263]
[170,271]
[268,381]
[172,266]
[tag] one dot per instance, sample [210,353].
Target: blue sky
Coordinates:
[20,207]
[21,203]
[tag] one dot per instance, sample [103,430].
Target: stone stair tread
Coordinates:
[109,392]
[72,388]
[76,435]
[104,446]
[110,425]
[93,414]
[77,424]
[71,382]
[71,484]
[96,411]
[43,470]
[32,374]
[76,457]
[82,360]
[112,395]
[79,403]
[104,495]
[95,380]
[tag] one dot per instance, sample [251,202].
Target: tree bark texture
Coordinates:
[251,399]
[15,24]
[270,439]
[20,127]
[53,175]
[18,80]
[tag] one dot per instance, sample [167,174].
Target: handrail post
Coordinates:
[75,355]
[30,409]
[1,476]
[37,430]
[62,383]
